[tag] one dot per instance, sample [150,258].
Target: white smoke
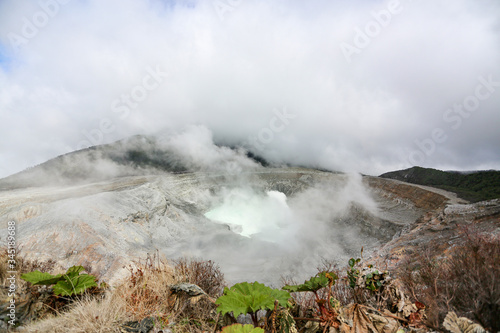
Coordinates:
[263,216]
[194,145]
[270,233]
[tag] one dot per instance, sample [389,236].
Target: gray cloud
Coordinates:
[94,72]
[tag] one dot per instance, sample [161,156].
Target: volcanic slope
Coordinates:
[110,205]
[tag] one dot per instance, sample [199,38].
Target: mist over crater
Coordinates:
[185,196]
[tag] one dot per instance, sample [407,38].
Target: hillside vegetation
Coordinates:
[189,296]
[472,186]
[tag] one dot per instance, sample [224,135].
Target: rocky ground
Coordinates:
[107,224]
[439,230]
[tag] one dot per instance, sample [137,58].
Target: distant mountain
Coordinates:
[472,186]
[134,156]
[127,157]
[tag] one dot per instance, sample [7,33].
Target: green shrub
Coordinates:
[67,284]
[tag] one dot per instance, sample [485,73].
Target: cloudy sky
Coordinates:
[362,85]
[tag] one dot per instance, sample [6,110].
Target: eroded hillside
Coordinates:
[110,206]
[108,224]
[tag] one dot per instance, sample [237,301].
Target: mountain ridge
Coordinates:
[134,156]
[473,186]
[67,206]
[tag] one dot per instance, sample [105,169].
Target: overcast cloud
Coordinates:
[367,86]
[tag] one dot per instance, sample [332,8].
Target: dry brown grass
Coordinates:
[200,316]
[145,294]
[467,281]
[86,315]
[205,274]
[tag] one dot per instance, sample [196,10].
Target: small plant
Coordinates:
[314,284]
[327,313]
[364,278]
[67,284]
[353,272]
[243,298]
[374,280]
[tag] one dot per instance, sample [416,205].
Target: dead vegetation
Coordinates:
[146,297]
[466,280]
[86,315]
[427,291]
[356,308]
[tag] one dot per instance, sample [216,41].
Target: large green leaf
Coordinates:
[238,328]
[235,302]
[249,298]
[39,278]
[313,284]
[67,284]
[75,270]
[74,285]
[281,296]
[260,292]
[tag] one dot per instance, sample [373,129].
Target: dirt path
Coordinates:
[452,197]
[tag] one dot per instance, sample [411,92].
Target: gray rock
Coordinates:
[106,225]
[190,289]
